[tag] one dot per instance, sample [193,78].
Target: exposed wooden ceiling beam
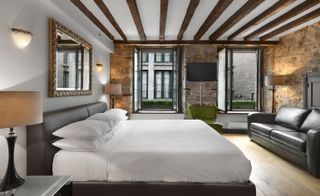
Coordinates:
[213,16]
[297,22]
[93,19]
[291,13]
[264,15]
[187,18]
[136,18]
[108,14]
[236,17]
[187,42]
[163,18]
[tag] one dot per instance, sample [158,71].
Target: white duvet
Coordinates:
[159,150]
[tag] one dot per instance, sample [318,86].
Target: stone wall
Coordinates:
[297,53]
[121,62]
[191,94]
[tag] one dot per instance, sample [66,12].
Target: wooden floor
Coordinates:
[272,175]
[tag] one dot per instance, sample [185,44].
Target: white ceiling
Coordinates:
[150,13]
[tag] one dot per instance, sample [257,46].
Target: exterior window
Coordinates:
[158,57]
[144,84]
[145,57]
[162,85]
[65,58]
[65,77]
[238,80]
[167,57]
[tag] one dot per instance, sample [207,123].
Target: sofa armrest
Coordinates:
[313,152]
[260,117]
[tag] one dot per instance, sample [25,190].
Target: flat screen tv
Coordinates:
[202,71]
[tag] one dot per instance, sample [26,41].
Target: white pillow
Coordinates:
[112,118]
[85,130]
[117,111]
[78,145]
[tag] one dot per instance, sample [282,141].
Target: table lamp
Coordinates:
[17,108]
[274,81]
[114,90]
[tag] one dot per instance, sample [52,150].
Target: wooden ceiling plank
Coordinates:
[163,18]
[109,16]
[291,13]
[221,6]
[312,15]
[184,42]
[235,18]
[91,17]
[278,6]
[132,4]
[187,18]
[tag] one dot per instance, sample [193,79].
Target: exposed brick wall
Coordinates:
[199,53]
[121,65]
[297,53]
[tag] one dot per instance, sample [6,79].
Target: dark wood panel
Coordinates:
[186,42]
[108,14]
[278,6]
[312,15]
[136,18]
[187,18]
[312,89]
[213,16]
[93,19]
[291,13]
[163,18]
[235,18]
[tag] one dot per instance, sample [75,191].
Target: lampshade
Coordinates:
[18,108]
[274,80]
[21,37]
[113,89]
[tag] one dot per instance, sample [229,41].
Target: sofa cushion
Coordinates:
[312,121]
[294,139]
[265,129]
[291,117]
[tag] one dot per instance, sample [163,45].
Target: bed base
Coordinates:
[162,189]
[40,153]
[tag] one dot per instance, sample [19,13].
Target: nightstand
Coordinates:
[42,185]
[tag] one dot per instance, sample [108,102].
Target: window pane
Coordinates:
[167,57]
[158,84]
[145,57]
[166,84]
[244,80]
[144,84]
[158,57]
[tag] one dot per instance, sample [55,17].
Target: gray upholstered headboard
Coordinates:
[40,151]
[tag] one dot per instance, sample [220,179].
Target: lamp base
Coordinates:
[11,179]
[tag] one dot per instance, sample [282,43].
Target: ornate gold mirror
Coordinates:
[70,62]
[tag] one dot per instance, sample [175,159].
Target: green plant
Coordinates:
[159,104]
[243,104]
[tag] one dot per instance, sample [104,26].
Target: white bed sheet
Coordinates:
[159,150]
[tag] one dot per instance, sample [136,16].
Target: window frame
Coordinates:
[259,81]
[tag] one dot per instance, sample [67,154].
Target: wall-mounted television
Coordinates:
[202,71]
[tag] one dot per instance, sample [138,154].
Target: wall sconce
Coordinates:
[21,37]
[99,67]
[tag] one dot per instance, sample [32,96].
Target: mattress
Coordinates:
[159,151]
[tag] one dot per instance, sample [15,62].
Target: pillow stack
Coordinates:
[90,134]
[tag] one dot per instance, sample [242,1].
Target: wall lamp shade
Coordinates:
[21,37]
[276,80]
[99,67]
[17,108]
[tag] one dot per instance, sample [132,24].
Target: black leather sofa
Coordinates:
[292,133]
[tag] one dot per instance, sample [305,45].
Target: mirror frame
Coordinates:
[55,26]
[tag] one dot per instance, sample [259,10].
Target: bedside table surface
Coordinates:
[41,185]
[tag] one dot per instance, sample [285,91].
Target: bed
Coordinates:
[178,157]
